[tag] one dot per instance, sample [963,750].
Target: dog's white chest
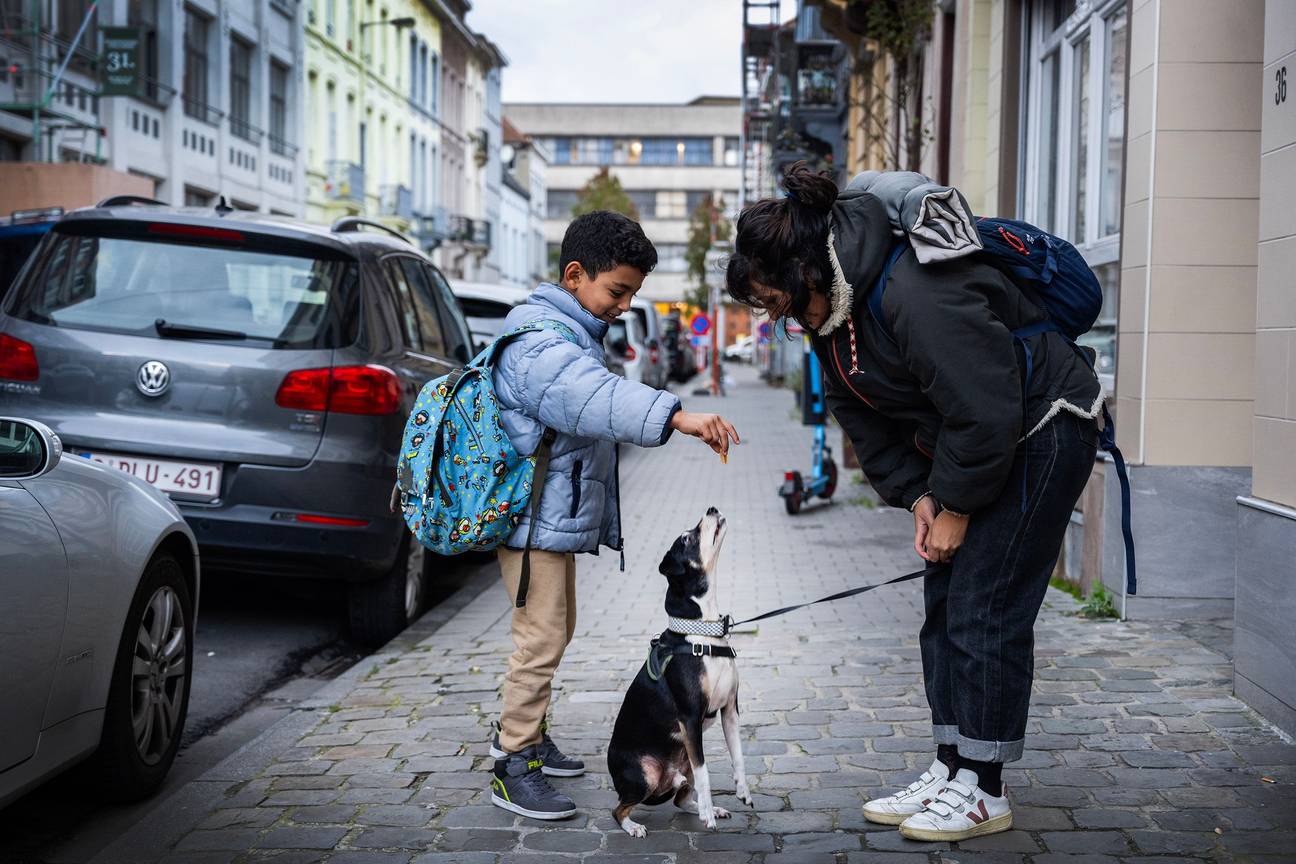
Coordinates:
[721,681]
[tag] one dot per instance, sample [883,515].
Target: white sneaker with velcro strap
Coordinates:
[960,811]
[894,809]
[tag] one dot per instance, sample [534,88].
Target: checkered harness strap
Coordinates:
[715,627]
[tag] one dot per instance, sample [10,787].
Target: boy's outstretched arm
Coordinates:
[556,382]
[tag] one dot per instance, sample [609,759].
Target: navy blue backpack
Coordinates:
[1053,272]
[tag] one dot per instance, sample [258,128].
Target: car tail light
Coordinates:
[344,389]
[630,353]
[305,389]
[364,390]
[17,360]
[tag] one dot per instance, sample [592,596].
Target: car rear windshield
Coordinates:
[150,288]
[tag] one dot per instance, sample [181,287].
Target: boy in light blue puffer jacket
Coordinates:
[543,380]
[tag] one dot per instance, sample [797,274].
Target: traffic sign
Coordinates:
[764,331]
[700,324]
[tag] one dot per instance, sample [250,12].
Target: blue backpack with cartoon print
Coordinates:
[460,484]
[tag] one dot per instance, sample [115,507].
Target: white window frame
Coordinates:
[1088,20]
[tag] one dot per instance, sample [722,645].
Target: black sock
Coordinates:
[988,775]
[947,755]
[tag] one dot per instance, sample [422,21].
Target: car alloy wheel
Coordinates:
[413,580]
[158,675]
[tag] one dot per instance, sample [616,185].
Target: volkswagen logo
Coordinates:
[153,378]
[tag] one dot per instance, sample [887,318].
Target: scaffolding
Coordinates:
[760,98]
[34,81]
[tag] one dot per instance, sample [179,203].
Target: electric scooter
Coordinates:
[814,412]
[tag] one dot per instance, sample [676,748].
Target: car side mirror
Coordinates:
[27,449]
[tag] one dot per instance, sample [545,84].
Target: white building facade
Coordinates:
[669,158]
[217,111]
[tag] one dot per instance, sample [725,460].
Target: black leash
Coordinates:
[930,570]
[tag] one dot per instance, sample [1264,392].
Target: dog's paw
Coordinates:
[741,792]
[633,828]
[721,813]
[708,816]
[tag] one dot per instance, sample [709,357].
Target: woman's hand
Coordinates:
[711,428]
[945,537]
[924,513]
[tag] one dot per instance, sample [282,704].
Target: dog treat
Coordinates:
[724,458]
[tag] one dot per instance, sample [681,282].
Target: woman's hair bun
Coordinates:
[810,188]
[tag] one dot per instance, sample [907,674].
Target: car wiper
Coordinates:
[192,331]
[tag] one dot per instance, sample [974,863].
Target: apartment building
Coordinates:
[669,158]
[213,109]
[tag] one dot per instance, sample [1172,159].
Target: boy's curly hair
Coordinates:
[602,240]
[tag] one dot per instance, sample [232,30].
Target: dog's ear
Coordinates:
[673,563]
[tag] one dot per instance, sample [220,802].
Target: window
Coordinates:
[330,16]
[645,202]
[633,151]
[693,199]
[278,108]
[671,204]
[670,258]
[425,308]
[435,82]
[144,15]
[409,319]
[70,15]
[414,70]
[458,339]
[561,202]
[240,88]
[195,64]
[731,152]
[1074,117]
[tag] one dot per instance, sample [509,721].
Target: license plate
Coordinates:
[190,481]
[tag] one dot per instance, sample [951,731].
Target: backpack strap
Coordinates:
[879,287]
[533,510]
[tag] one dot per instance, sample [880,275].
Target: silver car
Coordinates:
[99,590]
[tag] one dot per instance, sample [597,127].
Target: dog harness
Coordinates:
[661,653]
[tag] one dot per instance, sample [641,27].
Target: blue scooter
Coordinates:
[814,412]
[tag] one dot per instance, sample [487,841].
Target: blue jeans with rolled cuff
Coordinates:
[978,639]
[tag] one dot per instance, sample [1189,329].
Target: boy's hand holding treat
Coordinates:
[711,428]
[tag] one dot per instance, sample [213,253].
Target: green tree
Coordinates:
[604,192]
[708,227]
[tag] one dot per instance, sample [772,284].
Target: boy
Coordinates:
[544,380]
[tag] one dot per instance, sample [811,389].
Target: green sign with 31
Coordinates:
[121,67]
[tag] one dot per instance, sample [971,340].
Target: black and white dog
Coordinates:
[656,748]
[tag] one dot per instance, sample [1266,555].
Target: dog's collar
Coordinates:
[717,628]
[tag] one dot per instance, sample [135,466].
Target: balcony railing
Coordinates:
[280,147]
[474,232]
[396,200]
[153,90]
[346,181]
[240,128]
[200,110]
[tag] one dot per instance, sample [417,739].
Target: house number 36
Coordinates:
[1280,85]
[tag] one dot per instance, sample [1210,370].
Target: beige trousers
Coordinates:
[541,630]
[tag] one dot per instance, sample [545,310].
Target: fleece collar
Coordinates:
[841,294]
[558,297]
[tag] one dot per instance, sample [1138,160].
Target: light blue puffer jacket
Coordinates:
[567,387]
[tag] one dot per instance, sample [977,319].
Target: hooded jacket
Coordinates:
[933,401]
[543,380]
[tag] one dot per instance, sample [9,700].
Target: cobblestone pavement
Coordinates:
[1137,752]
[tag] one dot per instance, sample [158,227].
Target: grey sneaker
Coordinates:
[556,763]
[520,786]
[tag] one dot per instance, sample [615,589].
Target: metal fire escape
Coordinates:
[761,97]
[34,79]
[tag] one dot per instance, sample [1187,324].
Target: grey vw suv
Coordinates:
[258,370]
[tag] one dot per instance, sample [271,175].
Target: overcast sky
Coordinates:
[614,50]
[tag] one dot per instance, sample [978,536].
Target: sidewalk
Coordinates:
[1137,748]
